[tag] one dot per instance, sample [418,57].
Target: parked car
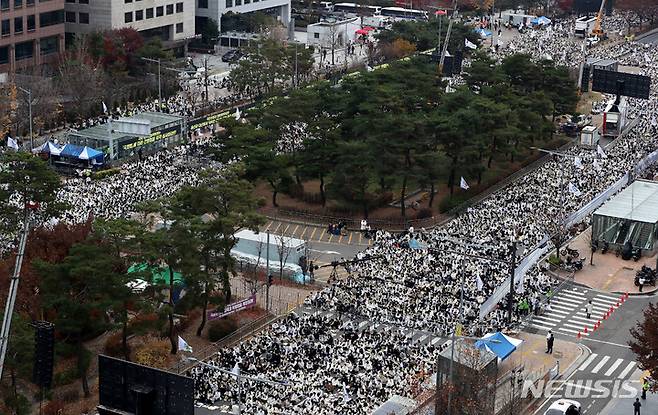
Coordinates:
[232,55]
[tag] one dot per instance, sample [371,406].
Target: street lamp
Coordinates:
[29,99]
[159,80]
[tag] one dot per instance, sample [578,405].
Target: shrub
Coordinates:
[424,213]
[114,345]
[70,395]
[54,407]
[154,352]
[220,329]
[65,377]
[189,319]
[101,174]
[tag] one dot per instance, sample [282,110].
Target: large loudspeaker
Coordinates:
[584,80]
[587,6]
[44,348]
[452,65]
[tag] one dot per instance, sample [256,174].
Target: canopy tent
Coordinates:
[414,244]
[159,275]
[82,153]
[361,32]
[483,32]
[499,344]
[543,20]
[48,147]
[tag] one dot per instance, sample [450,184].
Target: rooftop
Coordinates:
[638,202]
[102,132]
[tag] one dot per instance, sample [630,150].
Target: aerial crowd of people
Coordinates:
[324,361]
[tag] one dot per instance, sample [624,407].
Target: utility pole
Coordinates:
[205,76]
[29,104]
[268,279]
[159,81]
[13,287]
[510,306]
[296,79]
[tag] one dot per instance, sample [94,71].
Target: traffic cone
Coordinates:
[627,295]
[585,330]
[594,327]
[623,298]
[611,310]
[578,335]
[605,316]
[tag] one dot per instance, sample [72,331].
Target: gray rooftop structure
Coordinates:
[638,202]
[121,137]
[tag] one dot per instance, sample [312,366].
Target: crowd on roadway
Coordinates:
[422,288]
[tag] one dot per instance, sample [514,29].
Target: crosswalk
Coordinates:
[608,366]
[567,312]
[314,233]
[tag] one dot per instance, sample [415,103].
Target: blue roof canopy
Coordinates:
[497,343]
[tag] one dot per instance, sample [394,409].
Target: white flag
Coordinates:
[236,370]
[573,189]
[479,283]
[237,114]
[578,162]
[653,121]
[599,150]
[346,396]
[470,44]
[597,166]
[104,108]
[12,143]
[463,184]
[369,68]
[183,346]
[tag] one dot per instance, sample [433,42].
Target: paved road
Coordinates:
[314,234]
[651,39]
[568,315]
[610,360]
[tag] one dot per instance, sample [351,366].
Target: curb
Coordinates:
[638,294]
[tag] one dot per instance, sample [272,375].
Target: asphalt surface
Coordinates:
[609,360]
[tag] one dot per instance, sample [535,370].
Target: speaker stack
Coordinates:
[44,352]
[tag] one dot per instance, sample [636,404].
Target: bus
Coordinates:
[400,13]
[356,9]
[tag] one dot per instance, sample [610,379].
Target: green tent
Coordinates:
[158,275]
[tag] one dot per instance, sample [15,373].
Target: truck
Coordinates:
[585,26]
[252,248]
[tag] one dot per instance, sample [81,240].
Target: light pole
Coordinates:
[461,310]
[159,81]
[29,104]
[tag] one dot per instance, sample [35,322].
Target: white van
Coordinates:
[563,407]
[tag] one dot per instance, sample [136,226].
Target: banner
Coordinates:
[233,307]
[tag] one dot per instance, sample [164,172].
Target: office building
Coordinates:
[214,9]
[170,20]
[32,33]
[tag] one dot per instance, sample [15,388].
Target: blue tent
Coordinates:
[82,153]
[543,20]
[483,32]
[414,244]
[499,344]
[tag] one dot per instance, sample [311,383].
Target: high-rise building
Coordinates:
[214,9]
[32,33]
[170,20]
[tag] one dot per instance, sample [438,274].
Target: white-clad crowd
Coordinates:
[420,289]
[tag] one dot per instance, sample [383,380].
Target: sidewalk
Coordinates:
[534,362]
[609,272]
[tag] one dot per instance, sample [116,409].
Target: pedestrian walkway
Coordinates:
[313,233]
[608,366]
[568,315]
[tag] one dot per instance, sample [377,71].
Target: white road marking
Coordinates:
[587,362]
[626,371]
[614,367]
[600,365]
